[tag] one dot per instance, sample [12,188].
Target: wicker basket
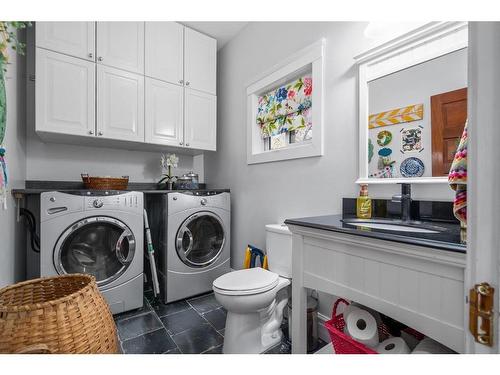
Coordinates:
[105,183]
[61,314]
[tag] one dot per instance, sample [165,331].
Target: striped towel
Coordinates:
[458,179]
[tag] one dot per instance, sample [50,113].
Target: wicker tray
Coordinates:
[104,183]
[61,314]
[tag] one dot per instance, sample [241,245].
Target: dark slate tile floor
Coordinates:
[191,326]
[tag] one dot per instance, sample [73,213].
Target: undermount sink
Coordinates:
[394,225]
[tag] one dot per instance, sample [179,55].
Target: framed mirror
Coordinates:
[413,105]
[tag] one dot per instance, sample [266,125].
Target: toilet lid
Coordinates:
[248,281]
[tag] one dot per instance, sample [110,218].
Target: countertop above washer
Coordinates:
[34,187]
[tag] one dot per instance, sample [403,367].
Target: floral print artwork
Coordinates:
[286,108]
[411,139]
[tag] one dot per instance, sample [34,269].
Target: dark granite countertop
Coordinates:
[34,187]
[447,240]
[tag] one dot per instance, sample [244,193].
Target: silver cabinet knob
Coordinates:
[187,144]
[91,132]
[90,55]
[100,133]
[100,58]
[187,83]
[181,143]
[181,81]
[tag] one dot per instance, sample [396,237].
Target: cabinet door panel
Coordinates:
[200,61]
[65,94]
[200,120]
[163,113]
[120,104]
[121,45]
[71,38]
[164,51]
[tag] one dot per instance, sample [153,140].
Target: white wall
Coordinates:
[414,85]
[12,234]
[272,192]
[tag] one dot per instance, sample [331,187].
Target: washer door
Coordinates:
[100,246]
[200,239]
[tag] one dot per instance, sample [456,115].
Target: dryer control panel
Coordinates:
[125,201]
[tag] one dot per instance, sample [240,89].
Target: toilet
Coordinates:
[255,298]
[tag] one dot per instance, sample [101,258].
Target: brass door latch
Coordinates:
[481,313]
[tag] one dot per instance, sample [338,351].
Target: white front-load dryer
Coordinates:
[197,242]
[98,233]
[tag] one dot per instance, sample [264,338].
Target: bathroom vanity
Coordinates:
[420,285]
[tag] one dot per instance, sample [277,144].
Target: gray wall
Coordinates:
[272,192]
[12,234]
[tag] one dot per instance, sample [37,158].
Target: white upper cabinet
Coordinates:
[164,117]
[120,104]
[71,38]
[65,94]
[200,61]
[164,54]
[200,120]
[121,45]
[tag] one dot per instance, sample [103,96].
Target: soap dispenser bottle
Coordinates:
[364,204]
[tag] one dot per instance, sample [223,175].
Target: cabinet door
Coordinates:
[200,120]
[164,51]
[200,61]
[120,104]
[71,38]
[121,45]
[163,113]
[64,94]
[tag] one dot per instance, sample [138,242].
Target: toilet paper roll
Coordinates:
[429,346]
[393,345]
[349,309]
[362,327]
[375,314]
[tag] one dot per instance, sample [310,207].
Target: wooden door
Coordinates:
[449,113]
[71,38]
[121,45]
[65,94]
[120,104]
[164,54]
[164,117]
[200,120]
[200,61]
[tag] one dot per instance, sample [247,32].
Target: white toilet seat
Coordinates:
[246,282]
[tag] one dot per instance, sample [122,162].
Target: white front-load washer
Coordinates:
[193,240]
[98,233]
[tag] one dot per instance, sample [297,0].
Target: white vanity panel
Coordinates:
[418,286]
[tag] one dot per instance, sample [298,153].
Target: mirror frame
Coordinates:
[428,42]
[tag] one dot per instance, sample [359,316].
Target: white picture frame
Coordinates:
[307,60]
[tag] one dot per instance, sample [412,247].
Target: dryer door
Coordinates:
[101,246]
[200,239]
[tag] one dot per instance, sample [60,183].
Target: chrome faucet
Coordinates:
[405,199]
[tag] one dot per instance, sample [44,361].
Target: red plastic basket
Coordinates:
[344,344]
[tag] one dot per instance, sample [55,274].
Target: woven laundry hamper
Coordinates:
[60,314]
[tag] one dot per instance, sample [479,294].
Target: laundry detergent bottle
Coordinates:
[364,204]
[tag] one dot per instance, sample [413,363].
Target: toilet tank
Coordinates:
[279,249]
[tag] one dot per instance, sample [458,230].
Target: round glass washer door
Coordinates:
[200,239]
[100,246]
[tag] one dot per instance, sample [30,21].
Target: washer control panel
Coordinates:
[128,201]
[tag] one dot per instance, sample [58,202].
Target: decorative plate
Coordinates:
[384,138]
[412,167]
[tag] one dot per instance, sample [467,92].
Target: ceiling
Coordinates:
[222,31]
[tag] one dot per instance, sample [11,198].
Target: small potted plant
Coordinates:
[168,161]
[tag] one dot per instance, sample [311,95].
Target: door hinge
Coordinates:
[32,77]
[481,317]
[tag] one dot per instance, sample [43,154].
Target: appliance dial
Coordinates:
[203,202]
[97,203]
